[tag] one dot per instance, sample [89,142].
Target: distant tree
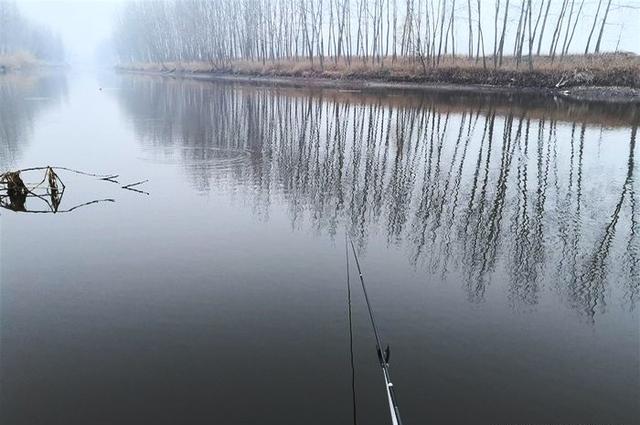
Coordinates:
[18,34]
[219,32]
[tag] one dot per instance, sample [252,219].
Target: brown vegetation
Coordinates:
[575,70]
[18,60]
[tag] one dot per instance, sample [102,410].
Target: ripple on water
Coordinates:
[203,158]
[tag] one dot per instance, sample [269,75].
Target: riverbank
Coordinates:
[613,78]
[17,61]
[26,62]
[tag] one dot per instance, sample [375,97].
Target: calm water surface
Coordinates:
[499,237]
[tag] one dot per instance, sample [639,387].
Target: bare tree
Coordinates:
[558,28]
[470,47]
[567,43]
[593,27]
[531,36]
[544,22]
[495,34]
[504,30]
[604,22]
[480,41]
[173,33]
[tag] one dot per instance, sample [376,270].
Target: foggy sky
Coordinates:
[83,24]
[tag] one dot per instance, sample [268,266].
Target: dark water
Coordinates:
[499,238]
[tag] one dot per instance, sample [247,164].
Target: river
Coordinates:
[498,236]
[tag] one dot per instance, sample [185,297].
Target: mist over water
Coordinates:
[498,237]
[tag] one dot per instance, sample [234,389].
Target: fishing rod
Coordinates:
[383,357]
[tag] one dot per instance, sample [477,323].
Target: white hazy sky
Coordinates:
[83,24]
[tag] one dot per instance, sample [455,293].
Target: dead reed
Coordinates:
[619,69]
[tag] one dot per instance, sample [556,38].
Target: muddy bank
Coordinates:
[604,94]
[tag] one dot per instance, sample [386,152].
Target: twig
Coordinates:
[562,82]
[111,179]
[89,203]
[136,190]
[128,186]
[84,173]
[51,211]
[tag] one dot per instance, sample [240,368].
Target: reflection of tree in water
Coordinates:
[22,98]
[591,289]
[486,192]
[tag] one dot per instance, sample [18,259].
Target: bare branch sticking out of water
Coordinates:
[130,187]
[111,179]
[14,192]
[59,211]
[127,186]
[142,192]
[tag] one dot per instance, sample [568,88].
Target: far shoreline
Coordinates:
[578,93]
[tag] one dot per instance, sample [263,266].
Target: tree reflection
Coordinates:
[22,99]
[479,188]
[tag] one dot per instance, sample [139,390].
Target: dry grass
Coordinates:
[621,69]
[18,60]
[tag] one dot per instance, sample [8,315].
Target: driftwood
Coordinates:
[14,192]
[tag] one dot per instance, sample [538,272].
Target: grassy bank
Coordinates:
[607,70]
[23,61]
[18,61]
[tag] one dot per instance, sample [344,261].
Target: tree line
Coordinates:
[18,34]
[370,32]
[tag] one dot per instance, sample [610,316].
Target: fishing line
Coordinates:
[353,370]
